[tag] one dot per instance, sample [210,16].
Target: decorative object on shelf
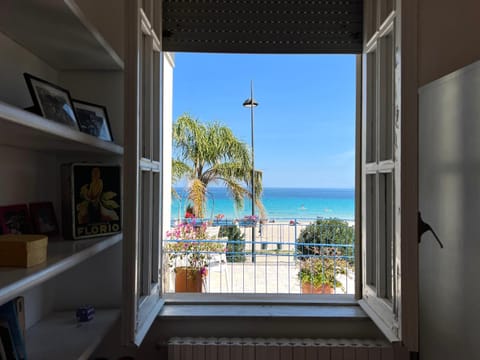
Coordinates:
[85,313]
[189,251]
[43,218]
[14,219]
[93,119]
[91,200]
[23,250]
[52,101]
[7,346]
[10,326]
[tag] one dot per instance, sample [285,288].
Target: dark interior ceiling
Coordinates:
[263,26]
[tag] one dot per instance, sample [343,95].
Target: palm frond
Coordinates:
[208,153]
[179,170]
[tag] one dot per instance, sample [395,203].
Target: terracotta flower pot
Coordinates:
[308,288]
[188,279]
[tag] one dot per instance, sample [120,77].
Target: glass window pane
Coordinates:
[371,103]
[146,110]
[386,49]
[145,236]
[156,216]
[370,16]
[147,6]
[386,7]
[157,18]
[157,106]
[386,234]
[371,229]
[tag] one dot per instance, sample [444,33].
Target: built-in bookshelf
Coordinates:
[61,256]
[24,129]
[57,37]
[58,32]
[72,340]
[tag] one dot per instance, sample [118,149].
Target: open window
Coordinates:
[389,166]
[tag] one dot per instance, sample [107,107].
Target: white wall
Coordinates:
[448,38]
[108,17]
[14,61]
[450,202]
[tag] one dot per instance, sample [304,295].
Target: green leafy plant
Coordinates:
[326,232]
[319,271]
[191,246]
[235,245]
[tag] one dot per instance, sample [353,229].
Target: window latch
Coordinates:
[424,227]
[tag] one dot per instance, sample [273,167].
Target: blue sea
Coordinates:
[280,203]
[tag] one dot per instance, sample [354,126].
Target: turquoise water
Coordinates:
[280,203]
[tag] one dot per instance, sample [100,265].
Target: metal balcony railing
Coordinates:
[290,257]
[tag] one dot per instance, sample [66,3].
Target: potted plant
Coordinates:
[318,274]
[189,251]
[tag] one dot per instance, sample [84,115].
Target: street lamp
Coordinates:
[251,103]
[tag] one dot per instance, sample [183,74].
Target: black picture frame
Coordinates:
[43,218]
[15,219]
[93,119]
[51,101]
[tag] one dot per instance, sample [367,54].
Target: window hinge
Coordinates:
[424,227]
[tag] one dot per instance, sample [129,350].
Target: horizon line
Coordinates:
[286,187]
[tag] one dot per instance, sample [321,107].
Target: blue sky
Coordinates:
[304,124]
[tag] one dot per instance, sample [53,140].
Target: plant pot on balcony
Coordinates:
[308,288]
[188,279]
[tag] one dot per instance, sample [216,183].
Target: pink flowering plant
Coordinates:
[249,220]
[191,247]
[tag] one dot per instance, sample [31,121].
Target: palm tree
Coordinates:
[210,153]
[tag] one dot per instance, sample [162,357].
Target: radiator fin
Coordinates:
[187,348]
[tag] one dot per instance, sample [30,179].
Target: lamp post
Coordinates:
[251,103]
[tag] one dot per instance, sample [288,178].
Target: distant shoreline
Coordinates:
[280,203]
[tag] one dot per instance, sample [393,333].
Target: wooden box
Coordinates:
[22,250]
[91,201]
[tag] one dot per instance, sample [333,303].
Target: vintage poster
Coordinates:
[91,200]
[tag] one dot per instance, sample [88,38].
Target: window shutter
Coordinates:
[389,174]
[142,169]
[267,26]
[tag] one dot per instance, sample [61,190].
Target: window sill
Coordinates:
[262,306]
[315,316]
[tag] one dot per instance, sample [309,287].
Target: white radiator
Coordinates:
[184,348]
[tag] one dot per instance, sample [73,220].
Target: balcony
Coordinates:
[290,257]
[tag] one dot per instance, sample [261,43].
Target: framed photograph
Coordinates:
[43,218]
[93,119]
[52,101]
[14,219]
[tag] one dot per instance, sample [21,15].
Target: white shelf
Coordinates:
[58,32]
[62,255]
[60,336]
[21,128]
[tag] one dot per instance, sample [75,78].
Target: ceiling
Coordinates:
[263,26]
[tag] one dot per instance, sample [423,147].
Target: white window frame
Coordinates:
[398,320]
[396,316]
[142,173]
